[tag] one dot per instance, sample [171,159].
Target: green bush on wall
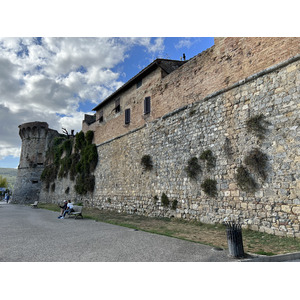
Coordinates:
[193,168]
[209,187]
[165,200]
[174,204]
[257,161]
[244,180]
[257,125]
[209,158]
[79,165]
[146,162]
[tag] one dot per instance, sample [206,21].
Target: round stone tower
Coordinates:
[36,137]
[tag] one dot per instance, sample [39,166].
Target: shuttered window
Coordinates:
[117,105]
[127,116]
[147,107]
[101,116]
[139,84]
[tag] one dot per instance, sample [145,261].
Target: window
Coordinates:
[34,181]
[101,116]
[139,84]
[127,116]
[147,105]
[117,106]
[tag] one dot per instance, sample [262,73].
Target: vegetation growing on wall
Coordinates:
[174,204]
[257,161]
[257,125]
[79,165]
[165,200]
[193,168]
[146,162]
[209,187]
[245,180]
[208,157]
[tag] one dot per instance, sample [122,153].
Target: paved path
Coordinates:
[36,235]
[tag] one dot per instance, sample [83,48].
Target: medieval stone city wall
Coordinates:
[218,123]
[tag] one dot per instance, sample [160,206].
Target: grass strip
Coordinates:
[194,231]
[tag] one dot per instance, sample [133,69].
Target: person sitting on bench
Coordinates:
[63,208]
[68,210]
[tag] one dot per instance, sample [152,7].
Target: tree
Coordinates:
[3,182]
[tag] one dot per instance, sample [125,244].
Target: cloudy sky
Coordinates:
[58,80]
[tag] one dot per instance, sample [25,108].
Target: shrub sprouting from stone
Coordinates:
[85,183]
[174,204]
[146,162]
[193,168]
[89,136]
[257,125]
[79,165]
[165,200]
[209,187]
[245,180]
[257,161]
[207,156]
[79,141]
[49,174]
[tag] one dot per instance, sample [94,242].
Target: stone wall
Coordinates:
[228,61]
[216,122]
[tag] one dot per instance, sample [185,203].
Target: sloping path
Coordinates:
[36,235]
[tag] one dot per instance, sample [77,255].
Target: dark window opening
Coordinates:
[117,106]
[34,181]
[39,164]
[101,116]
[127,116]
[147,107]
[139,84]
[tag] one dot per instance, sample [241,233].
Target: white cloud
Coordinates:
[44,79]
[184,43]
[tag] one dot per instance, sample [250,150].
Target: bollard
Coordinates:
[234,239]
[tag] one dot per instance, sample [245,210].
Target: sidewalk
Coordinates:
[37,235]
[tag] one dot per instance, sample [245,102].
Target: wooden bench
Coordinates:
[35,204]
[77,212]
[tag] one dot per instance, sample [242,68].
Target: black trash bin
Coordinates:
[234,239]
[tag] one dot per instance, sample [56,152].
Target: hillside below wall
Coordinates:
[217,123]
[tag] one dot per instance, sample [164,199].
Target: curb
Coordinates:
[274,258]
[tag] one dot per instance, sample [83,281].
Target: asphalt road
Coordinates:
[36,235]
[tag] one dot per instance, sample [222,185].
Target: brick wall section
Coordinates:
[133,98]
[227,62]
[123,185]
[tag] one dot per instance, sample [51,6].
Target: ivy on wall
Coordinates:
[79,164]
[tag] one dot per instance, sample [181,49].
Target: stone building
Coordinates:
[239,101]
[36,137]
